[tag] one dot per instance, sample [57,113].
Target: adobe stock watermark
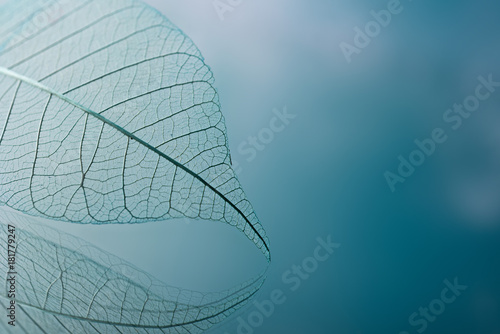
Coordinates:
[258,143]
[363,37]
[293,279]
[454,117]
[224,6]
[50,11]
[420,320]
[254,144]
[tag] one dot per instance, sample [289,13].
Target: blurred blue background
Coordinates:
[324,173]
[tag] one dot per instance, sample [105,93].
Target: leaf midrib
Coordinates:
[103,119]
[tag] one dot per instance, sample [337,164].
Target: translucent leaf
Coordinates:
[108,114]
[65,285]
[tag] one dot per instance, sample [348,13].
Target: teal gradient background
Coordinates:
[323,175]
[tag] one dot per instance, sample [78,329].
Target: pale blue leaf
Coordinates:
[108,114]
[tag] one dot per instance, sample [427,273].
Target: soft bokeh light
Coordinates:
[324,174]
